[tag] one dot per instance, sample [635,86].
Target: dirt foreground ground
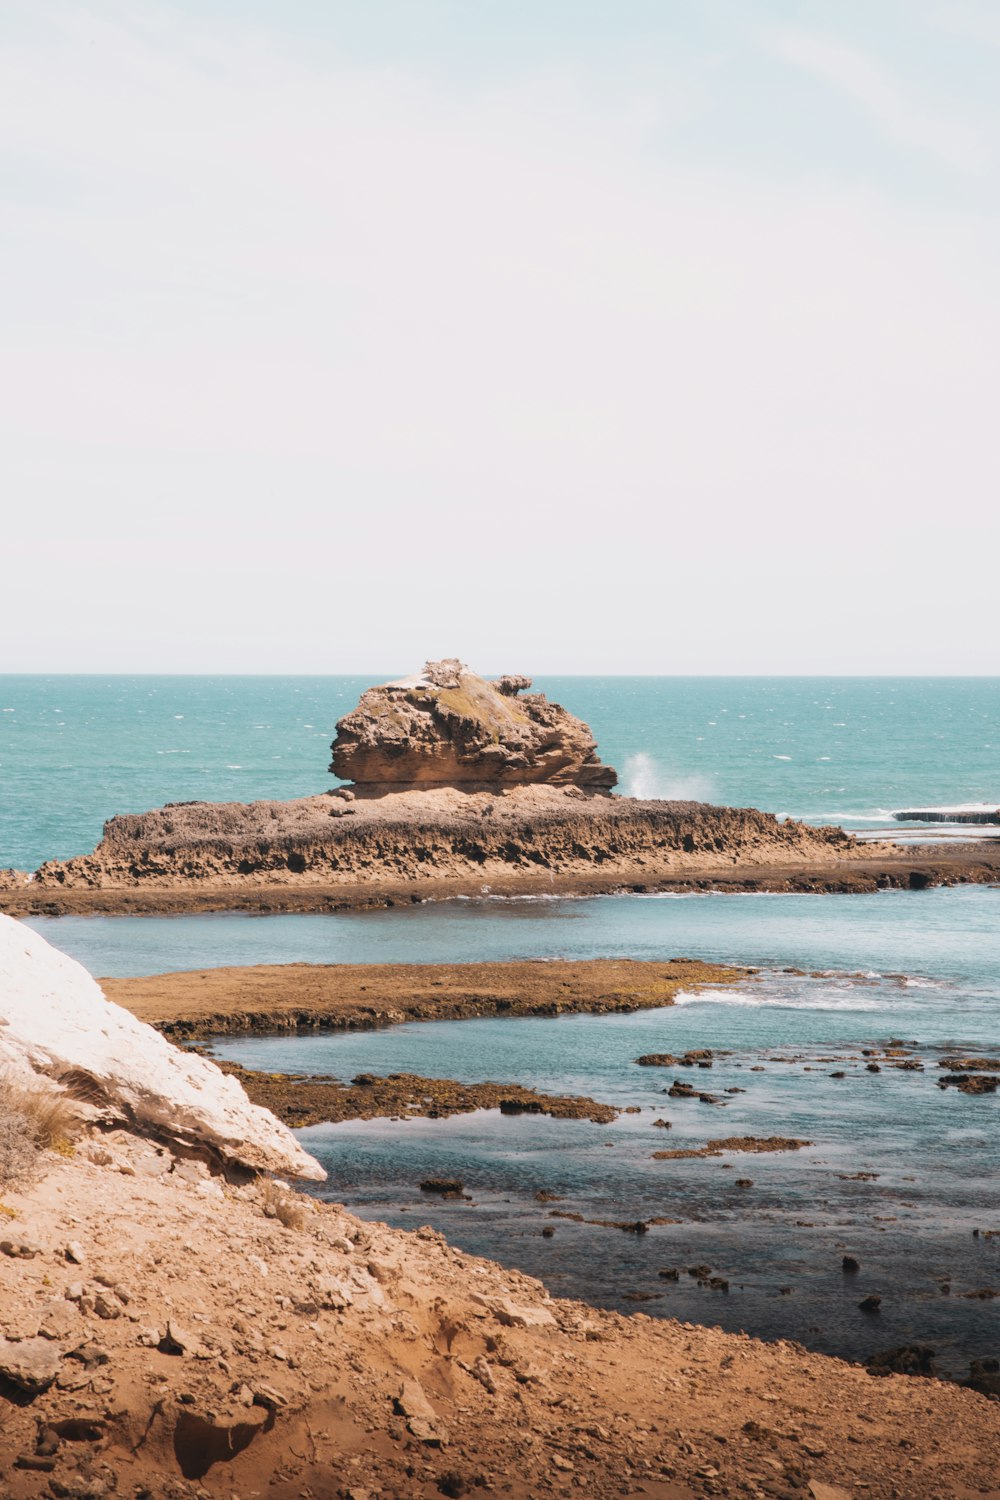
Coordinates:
[170,1333]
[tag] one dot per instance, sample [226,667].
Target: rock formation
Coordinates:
[448,727]
[57,1027]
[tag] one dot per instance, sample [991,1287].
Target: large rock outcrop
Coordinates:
[57,1027]
[449,727]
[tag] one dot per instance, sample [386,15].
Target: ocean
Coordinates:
[900,1173]
[76,750]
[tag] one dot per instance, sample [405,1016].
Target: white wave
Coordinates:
[800,1000]
[644,777]
[781,757]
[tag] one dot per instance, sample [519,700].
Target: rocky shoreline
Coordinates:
[323,854]
[362,1361]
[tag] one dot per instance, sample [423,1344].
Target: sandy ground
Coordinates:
[285,997]
[190,1344]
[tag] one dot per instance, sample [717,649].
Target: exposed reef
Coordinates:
[321,854]
[274,998]
[447,726]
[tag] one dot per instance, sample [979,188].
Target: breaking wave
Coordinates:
[644,777]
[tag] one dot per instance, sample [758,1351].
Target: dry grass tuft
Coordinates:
[33,1120]
[279,1202]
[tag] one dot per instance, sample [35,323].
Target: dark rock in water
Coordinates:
[870,1304]
[979,815]
[446,726]
[669,1273]
[984,1376]
[447,1186]
[872,1068]
[700,1273]
[548,1232]
[744,1182]
[907,1359]
[657,1060]
[850,1266]
[970,1083]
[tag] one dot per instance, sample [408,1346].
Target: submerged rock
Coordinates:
[57,1028]
[449,727]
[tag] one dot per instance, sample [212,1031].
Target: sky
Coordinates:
[625,336]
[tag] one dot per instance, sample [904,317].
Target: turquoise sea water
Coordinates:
[76,750]
[922,968]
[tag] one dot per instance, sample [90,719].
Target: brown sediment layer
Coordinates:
[190,1006]
[323,854]
[212,1339]
[301,1100]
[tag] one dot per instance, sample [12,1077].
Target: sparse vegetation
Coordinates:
[32,1120]
[279,1202]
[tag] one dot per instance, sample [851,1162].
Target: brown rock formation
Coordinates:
[448,727]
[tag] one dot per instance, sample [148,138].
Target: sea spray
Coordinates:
[644,777]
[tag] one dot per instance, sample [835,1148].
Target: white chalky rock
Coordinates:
[55,1019]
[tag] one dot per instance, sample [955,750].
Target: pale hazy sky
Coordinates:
[561,335]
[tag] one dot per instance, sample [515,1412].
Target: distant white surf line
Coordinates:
[761,1000]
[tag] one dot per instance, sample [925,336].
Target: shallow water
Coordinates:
[935,1154]
[952,933]
[923,967]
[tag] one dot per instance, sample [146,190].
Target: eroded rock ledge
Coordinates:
[318,852]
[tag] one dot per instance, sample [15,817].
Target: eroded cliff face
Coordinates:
[449,727]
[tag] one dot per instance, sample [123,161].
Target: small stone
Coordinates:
[421,1419]
[268,1397]
[31,1364]
[820,1491]
[870,1304]
[105,1307]
[60,1320]
[514,1315]
[177,1340]
[19,1247]
[564,1465]
[75,1253]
